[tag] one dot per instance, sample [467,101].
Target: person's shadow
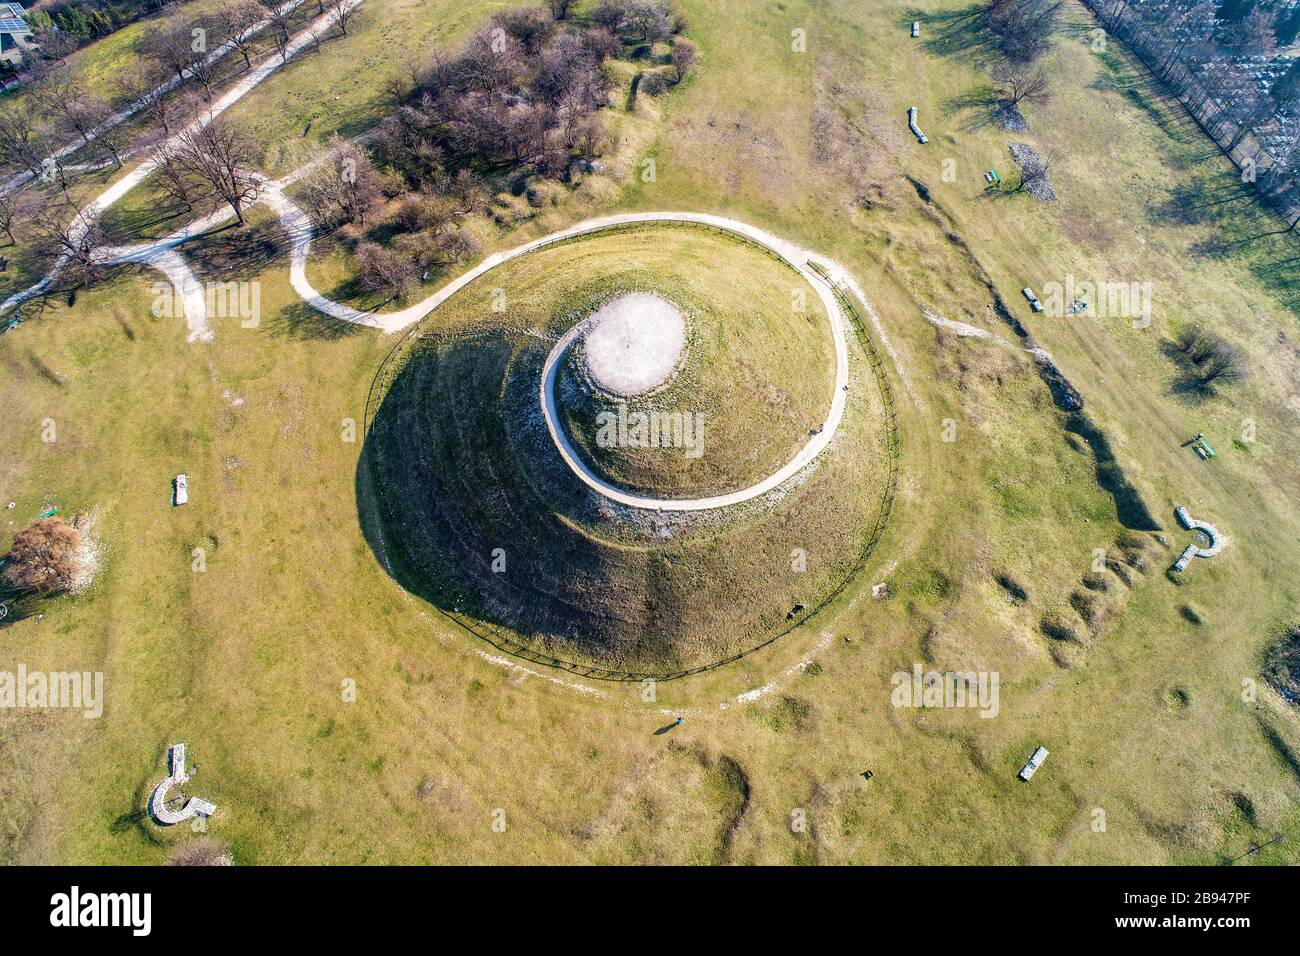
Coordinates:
[665,728]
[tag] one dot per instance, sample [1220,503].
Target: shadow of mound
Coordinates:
[468,506]
[1130,507]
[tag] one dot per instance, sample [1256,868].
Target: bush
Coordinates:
[384,270]
[683,56]
[653,83]
[45,557]
[204,851]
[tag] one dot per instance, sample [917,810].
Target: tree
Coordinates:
[684,55]
[649,20]
[175,180]
[342,186]
[239,20]
[55,43]
[110,136]
[1023,28]
[531,26]
[281,26]
[1018,84]
[74,239]
[341,13]
[221,156]
[1224,365]
[62,94]
[202,66]
[560,8]
[1036,172]
[20,140]
[16,206]
[45,557]
[611,15]
[169,45]
[155,104]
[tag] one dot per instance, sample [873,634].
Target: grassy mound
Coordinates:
[480,516]
[757,376]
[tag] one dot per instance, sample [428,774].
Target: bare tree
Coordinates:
[1224,365]
[174,180]
[1023,28]
[20,140]
[531,26]
[169,45]
[342,186]
[315,35]
[16,206]
[222,156]
[384,270]
[341,13]
[649,20]
[281,27]
[239,20]
[201,64]
[110,136]
[65,232]
[1023,85]
[62,95]
[55,43]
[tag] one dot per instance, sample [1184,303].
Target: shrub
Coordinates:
[653,83]
[684,55]
[204,851]
[45,557]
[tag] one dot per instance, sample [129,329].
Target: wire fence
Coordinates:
[506,642]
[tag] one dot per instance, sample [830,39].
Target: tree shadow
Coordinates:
[15,605]
[300,321]
[233,253]
[958,33]
[982,105]
[1187,385]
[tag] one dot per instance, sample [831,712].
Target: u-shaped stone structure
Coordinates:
[1216,540]
[176,777]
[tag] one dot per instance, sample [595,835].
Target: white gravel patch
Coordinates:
[634,343]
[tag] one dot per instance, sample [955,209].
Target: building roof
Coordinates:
[11,18]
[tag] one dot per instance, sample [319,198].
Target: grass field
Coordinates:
[1002,504]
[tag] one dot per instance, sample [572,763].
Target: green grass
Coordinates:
[245,661]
